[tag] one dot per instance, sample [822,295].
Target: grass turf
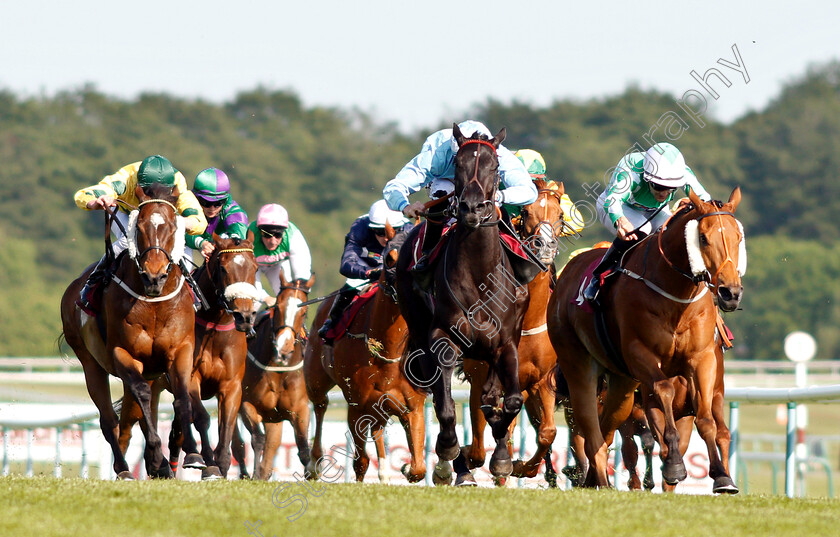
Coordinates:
[91,508]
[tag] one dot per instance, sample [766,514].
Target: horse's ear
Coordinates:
[499,138]
[140,193]
[389,231]
[735,198]
[311,281]
[695,199]
[283,282]
[176,192]
[456,133]
[250,237]
[561,188]
[216,238]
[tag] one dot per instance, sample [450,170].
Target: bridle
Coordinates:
[704,276]
[216,277]
[486,207]
[537,242]
[296,286]
[137,258]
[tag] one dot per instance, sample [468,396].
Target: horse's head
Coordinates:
[717,247]
[390,255]
[289,316]
[542,221]
[476,175]
[233,268]
[155,236]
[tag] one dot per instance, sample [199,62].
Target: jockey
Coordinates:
[280,248]
[535,164]
[635,202]
[361,261]
[434,169]
[224,216]
[120,186]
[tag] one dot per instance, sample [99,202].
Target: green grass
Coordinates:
[92,508]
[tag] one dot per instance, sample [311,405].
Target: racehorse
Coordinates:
[660,324]
[148,319]
[273,387]
[221,331]
[366,363]
[541,226]
[477,310]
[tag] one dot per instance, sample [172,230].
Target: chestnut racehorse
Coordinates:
[366,363]
[541,225]
[148,317]
[477,311]
[273,386]
[661,325]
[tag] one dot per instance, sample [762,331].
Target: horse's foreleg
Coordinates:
[300,425]
[378,434]
[438,365]
[230,397]
[128,369]
[684,426]
[130,413]
[273,437]
[630,453]
[359,431]
[477,374]
[415,432]
[237,449]
[201,422]
[251,420]
[540,406]
[508,376]
[583,393]
[180,373]
[707,427]
[673,467]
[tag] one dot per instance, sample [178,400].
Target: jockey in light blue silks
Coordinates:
[434,169]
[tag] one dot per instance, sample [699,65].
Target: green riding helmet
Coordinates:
[156,169]
[212,184]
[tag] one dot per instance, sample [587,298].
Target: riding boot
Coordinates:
[94,279]
[608,263]
[345,296]
[434,230]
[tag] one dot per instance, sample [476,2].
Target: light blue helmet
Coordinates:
[468,128]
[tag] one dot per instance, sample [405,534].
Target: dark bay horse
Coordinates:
[476,310]
[273,386]
[661,323]
[227,280]
[540,228]
[366,363]
[148,317]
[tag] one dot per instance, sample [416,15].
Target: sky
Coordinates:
[415,63]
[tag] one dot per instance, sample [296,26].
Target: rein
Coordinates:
[697,278]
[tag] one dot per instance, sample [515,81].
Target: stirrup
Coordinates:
[421,266]
[590,293]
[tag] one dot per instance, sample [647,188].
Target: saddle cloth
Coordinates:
[340,328]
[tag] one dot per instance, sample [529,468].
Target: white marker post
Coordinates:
[800,348]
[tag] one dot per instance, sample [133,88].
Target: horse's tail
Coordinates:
[561,387]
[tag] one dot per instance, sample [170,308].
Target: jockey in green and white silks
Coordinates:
[635,202]
[642,183]
[279,247]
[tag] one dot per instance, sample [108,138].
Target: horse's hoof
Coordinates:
[211,473]
[442,474]
[465,480]
[501,467]
[125,475]
[674,473]
[649,484]
[724,485]
[194,460]
[162,472]
[244,477]
[551,478]
[447,453]
[520,469]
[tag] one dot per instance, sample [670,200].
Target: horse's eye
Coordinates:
[703,240]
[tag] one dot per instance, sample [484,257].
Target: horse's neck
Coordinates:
[540,291]
[384,312]
[648,261]
[477,251]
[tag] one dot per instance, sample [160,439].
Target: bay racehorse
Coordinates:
[273,387]
[366,363]
[475,309]
[227,279]
[660,321]
[540,228]
[148,320]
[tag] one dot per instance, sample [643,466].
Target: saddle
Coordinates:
[346,319]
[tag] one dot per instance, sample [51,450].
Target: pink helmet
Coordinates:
[273,215]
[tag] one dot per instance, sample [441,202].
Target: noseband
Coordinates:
[486,206]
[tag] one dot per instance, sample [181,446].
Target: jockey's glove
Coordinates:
[373,274]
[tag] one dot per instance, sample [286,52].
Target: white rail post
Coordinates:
[790,450]
[734,440]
